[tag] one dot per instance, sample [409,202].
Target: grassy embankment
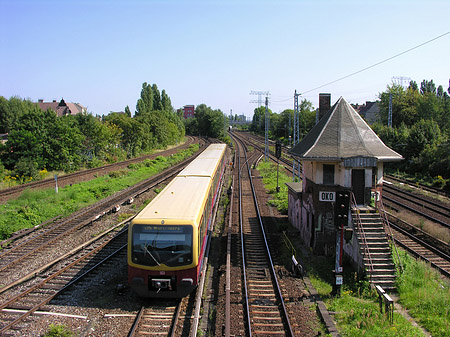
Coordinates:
[420,288]
[36,206]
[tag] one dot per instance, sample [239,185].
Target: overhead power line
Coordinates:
[378,63]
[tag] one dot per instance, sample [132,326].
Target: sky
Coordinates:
[99,53]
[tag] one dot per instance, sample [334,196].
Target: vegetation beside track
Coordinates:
[36,206]
[425,294]
[269,173]
[421,291]
[58,331]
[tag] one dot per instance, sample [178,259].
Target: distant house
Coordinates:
[3,138]
[62,108]
[370,111]
[188,111]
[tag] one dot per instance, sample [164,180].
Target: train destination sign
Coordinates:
[327,196]
[163,228]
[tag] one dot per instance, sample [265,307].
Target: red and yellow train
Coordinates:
[167,239]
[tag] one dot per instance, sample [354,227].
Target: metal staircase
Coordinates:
[374,248]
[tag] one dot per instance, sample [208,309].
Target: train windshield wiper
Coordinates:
[146,250]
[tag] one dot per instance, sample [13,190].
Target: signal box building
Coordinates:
[340,153]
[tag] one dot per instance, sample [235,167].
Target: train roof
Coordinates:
[206,163]
[213,151]
[171,203]
[184,197]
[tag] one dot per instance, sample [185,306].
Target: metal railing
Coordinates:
[380,207]
[362,235]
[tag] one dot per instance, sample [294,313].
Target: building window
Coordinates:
[328,174]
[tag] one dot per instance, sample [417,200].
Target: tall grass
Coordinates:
[36,206]
[426,225]
[425,294]
[269,174]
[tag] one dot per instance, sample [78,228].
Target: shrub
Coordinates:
[439,182]
[58,331]
[118,173]
[95,162]
[135,166]
[26,167]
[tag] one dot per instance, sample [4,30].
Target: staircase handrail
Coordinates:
[362,234]
[380,207]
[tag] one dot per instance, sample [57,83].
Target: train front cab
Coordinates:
[178,276]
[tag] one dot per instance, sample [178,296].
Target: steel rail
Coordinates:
[247,309]
[429,217]
[72,252]
[417,200]
[134,330]
[417,185]
[283,310]
[421,256]
[433,249]
[49,297]
[135,325]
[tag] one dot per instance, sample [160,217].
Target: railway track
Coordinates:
[17,258]
[159,319]
[420,244]
[259,145]
[56,280]
[415,203]
[265,311]
[415,185]
[87,174]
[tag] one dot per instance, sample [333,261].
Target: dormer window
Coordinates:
[328,174]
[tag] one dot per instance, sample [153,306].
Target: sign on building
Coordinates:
[327,196]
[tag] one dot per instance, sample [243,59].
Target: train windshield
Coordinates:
[154,245]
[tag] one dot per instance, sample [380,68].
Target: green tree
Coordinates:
[26,167]
[43,138]
[422,134]
[11,110]
[307,117]
[165,101]
[211,123]
[102,138]
[135,136]
[191,126]
[157,104]
[427,87]
[259,119]
[404,105]
[127,111]
[145,102]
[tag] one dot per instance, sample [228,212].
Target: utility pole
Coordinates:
[403,81]
[266,134]
[296,136]
[289,131]
[390,111]
[260,94]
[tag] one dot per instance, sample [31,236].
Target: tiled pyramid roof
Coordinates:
[342,133]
